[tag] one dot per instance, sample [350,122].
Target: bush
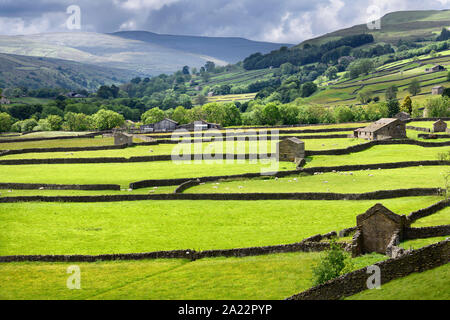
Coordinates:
[28,125]
[107,120]
[5,122]
[334,264]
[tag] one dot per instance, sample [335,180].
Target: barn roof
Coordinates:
[294,140]
[380,209]
[378,125]
[167,119]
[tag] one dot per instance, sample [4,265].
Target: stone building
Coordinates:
[377,226]
[435,68]
[404,116]
[200,126]
[383,129]
[121,138]
[438,90]
[440,126]
[165,125]
[291,149]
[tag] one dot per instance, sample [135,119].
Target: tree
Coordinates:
[331,73]
[445,35]
[152,116]
[54,122]
[107,120]
[28,125]
[210,66]
[308,89]
[406,105]
[180,115]
[77,121]
[271,114]
[365,96]
[5,122]
[446,92]
[414,88]
[334,264]
[186,70]
[393,107]
[200,100]
[391,93]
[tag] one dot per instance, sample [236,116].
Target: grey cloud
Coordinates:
[268,20]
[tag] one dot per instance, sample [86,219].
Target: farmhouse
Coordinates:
[438,90]
[377,226]
[440,126]
[121,138]
[404,116]
[291,149]
[200,126]
[436,68]
[383,129]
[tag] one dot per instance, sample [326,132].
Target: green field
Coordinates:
[380,154]
[59,228]
[267,277]
[354,182]
[429,285]
[37,228]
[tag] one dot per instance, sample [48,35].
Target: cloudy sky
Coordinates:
[289,21]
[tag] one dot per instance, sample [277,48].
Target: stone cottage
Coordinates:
[121,138]
[291,149]
[377,226]
[438,90]
[440,126]
[383,129]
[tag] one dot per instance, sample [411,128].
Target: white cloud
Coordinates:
[143,4]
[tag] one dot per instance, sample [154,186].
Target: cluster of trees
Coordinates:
[102,120]
[327,52]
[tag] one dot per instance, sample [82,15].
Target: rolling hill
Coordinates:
[405,25]
[231,50]
[37,72]
[140,52]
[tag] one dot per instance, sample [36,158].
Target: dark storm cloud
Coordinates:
[269,20]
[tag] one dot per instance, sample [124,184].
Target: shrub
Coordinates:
[334,264]
[5,122]
[28,125]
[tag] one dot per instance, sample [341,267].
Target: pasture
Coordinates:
[96,228]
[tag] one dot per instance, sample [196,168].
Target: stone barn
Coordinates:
[440,126]
[200,126]
[383,129]
[121,138]
[404,116]
[377,226]
[438,90]
[165,125]
[291,149]
[435,68]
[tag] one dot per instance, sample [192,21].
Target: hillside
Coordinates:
[404,25]
[229,49]
[140,52]
[33,72]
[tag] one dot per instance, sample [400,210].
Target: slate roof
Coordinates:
[374,127]
[380,209]
[294,140]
